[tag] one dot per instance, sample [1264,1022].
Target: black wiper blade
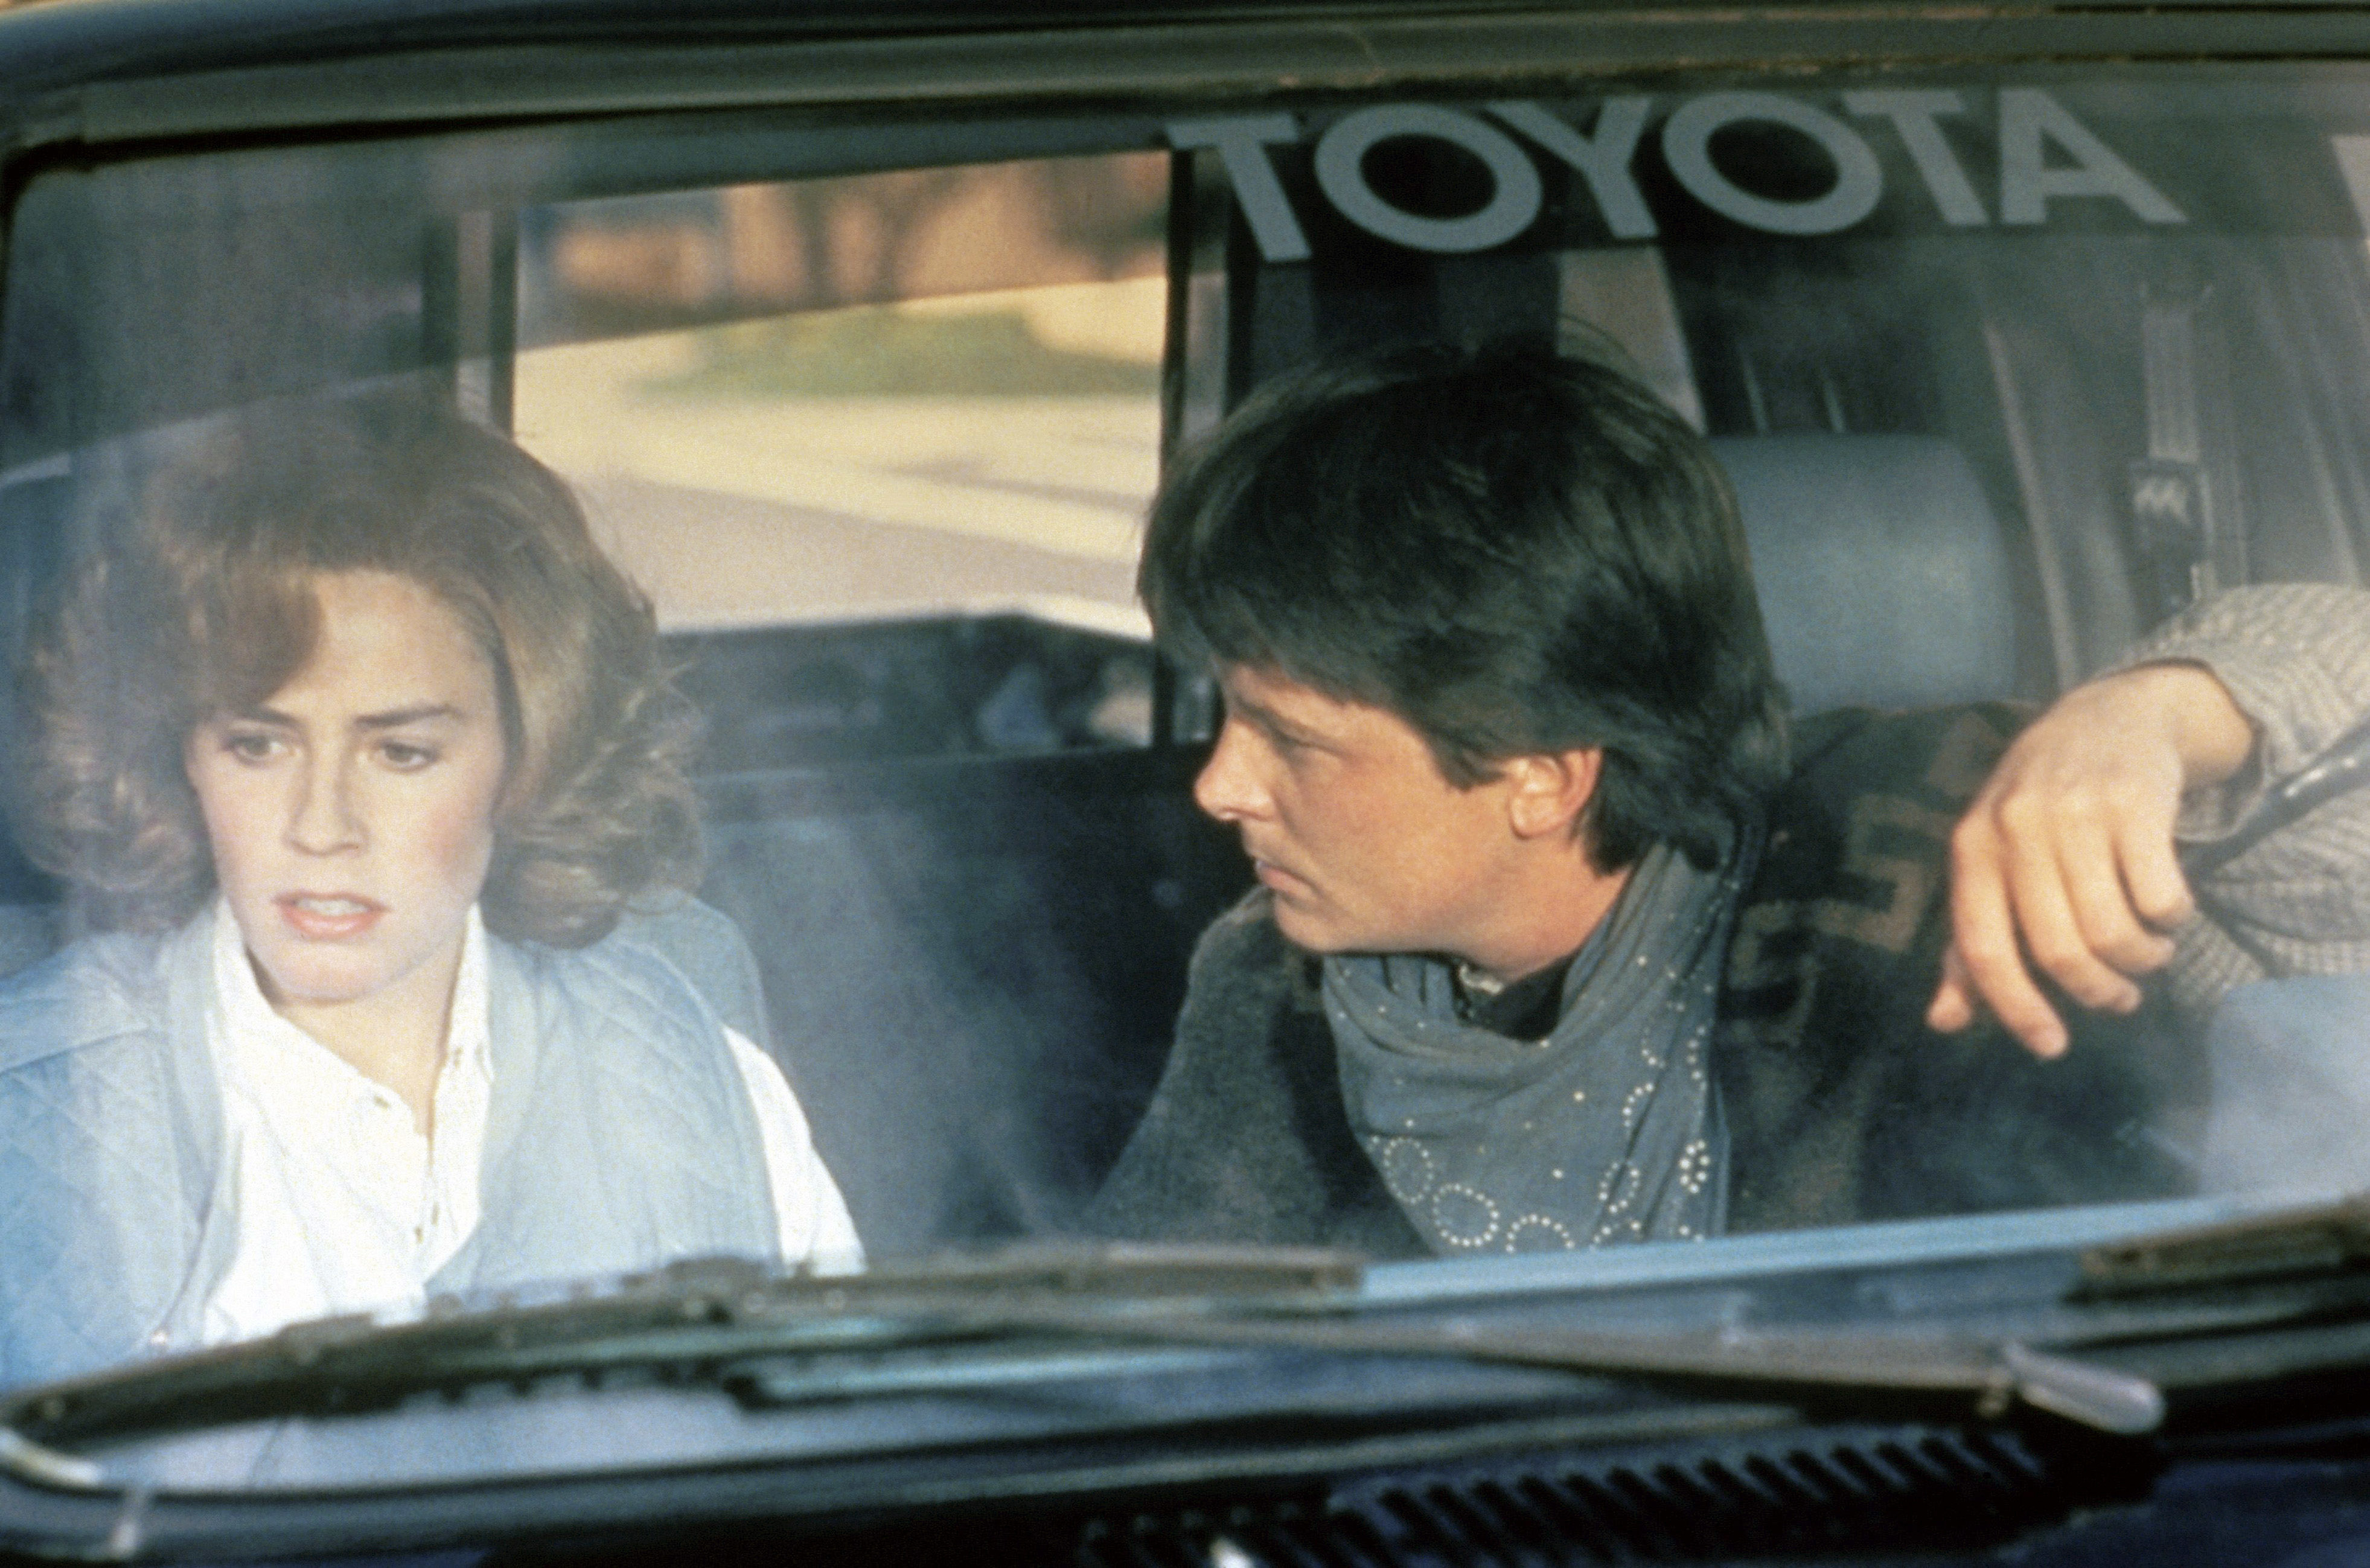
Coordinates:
[2314,1238]
[1995,1375]
[698,1310]
[740,1327]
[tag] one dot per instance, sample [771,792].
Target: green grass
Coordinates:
[887,354]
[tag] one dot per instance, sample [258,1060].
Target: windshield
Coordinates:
[596,697]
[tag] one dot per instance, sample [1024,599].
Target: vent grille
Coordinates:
[1824,1490]
[1853,1491]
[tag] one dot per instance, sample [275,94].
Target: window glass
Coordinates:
[866,872]
[1018,430]
[2079,290]
[936,394]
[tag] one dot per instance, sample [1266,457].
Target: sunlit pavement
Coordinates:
[733,512]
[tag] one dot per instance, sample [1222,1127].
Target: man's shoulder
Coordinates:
[1242,957]
[1246,1138]
[1246,932]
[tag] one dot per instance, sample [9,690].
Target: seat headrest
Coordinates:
[1883,574]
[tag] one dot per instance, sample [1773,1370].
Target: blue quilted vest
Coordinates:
[619,1136]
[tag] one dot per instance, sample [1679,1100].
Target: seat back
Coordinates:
[1884,576]
[975,966]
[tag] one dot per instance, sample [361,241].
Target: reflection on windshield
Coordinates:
[1733,661]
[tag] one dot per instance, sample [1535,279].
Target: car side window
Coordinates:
[924,400]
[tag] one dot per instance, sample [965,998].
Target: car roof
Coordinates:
[96,72]
[69,40]
[91,39]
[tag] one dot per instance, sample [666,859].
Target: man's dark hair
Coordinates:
[1513,552]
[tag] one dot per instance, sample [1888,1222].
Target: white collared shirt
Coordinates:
[344,1205]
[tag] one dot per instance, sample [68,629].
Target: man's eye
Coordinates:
[1288,744]
[405,757]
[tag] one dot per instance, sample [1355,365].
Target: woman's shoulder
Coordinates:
[92,990]
[705,947]
[685,969]
[575,973]
[615,1023]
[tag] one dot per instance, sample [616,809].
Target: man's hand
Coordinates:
[2065,862]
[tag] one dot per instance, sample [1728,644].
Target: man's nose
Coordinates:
[1228,787]
[322,820]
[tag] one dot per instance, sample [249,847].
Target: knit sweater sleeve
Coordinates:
[2296,657]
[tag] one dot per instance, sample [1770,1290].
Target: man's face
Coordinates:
[1366,845]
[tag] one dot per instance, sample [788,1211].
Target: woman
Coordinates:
[354,751]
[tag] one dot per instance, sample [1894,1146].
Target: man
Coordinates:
[1555,946]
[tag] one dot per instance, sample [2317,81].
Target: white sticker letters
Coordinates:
[2044,154]
[1912,113]
[1602,158]
[1686,144]
[2028,117]
[1241,145]
[1341,175]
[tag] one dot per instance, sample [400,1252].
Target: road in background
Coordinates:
[736,511]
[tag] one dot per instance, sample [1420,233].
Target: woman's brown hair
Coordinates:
[197,600]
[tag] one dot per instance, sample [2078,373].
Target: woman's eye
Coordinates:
[251,746]
[405,757]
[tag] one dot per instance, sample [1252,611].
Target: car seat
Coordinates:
[1884,576]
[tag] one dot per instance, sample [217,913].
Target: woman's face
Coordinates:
[351,812]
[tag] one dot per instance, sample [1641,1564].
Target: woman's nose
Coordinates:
[322,818]
[1228,787]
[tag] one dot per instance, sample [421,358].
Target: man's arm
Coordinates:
[2067,863]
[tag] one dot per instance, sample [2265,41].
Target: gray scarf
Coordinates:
[1607,1130]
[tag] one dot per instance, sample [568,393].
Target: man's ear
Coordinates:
[1549,791]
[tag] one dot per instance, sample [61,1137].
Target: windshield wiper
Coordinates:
[695,1311]
[2313,1238]
[723,1321]
[1994,1374]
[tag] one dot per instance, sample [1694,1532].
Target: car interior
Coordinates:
[957,835]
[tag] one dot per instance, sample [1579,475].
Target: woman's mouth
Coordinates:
[328,917]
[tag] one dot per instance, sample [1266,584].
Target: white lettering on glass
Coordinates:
[2034,130]
[1341,173]
[1912,112]
[2029,121]
[2353,165]
[1241,144]
[1602,158]
[1686,144]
